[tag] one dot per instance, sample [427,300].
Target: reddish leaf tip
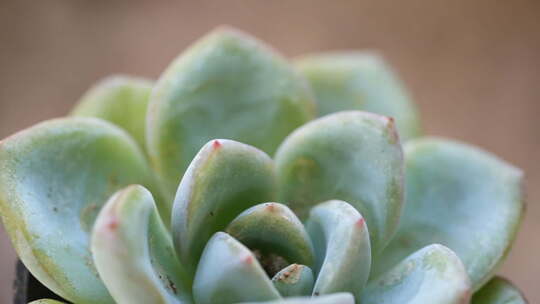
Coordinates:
[270,207]
[248,259]
[113,223]
[360,222]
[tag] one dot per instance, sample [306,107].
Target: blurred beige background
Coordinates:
[472,66]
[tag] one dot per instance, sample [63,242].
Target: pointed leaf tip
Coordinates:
[218,185]
[352,156]
[196,100]
[342,248]
[133,251]
[54,178]
[363,81]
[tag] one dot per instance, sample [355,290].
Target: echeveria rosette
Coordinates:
[266,215]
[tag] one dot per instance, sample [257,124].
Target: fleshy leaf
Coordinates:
[294,280]
[119,99]
[433,274]
[46,301]
[336,298]
[54,178]
[342,247]
[461,197]
[227,85]
[228,273]
[273,228]
[359,81]
[499,291]
[133,251]
[352,156]
[224,179]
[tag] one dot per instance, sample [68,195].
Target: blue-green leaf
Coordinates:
[434,274]
[227,85]
[359,81]
[341,240]
[273,228]
[229,273]
[461,197]
[119,99]
[294,280]
[224,179]
[134,253]
[54,178]
[352,156]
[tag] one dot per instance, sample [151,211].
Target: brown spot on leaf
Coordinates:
[393,136]
[171,285]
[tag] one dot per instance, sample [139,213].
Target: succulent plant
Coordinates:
[218,184]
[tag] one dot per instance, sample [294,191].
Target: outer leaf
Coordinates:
[121,100]
[359,81]
[134,253]
[499,291]
[273,227]
[336,298]
[229,273]
[225,178]
[54,177]
[294,280]
[433,274]
[227,85]
[351,156]
[461,197]
[342,247]
[46,301]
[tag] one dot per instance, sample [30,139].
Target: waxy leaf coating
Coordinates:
[434,274]
[227,85]
[352,156]
[121,100]
[202,225]
[341,240]
[224,179]
[229,273]
[273,228]
[461,197]
[134,254]
[359,81]
[294,280]
[54,178]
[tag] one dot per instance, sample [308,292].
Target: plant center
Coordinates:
[270,262]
